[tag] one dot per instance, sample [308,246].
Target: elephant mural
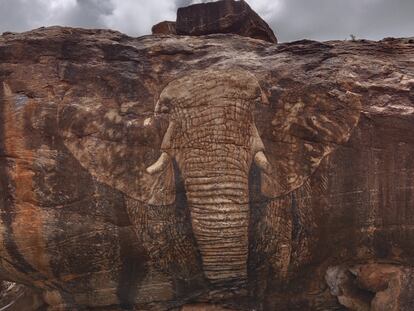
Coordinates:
[221,124]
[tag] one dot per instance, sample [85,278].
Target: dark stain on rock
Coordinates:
[6,200]
[296,221]
[132,273]
[258,266]
[187,278]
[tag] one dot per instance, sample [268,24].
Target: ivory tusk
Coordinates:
[147,122]
[166,141]
[262,162]
[160,165]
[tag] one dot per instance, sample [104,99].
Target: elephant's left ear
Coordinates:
[305,125]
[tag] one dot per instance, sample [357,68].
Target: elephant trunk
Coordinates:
[216,181]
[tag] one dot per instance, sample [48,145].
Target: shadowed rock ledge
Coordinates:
[80,123]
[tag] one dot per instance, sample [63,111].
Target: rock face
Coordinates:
[161,173]
[17,297]
[226,16]
[164,28]
[372,286]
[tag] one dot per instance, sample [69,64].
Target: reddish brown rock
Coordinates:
[342,284]
[164,28]
[392,285]
[325,167]
[225,16]
[372,287]
[17,297]
[204,307]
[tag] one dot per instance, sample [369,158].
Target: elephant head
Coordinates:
[213,138]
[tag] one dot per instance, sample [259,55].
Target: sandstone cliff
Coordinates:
[80,123]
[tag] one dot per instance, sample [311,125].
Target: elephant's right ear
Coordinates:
[115,148]
[159,182]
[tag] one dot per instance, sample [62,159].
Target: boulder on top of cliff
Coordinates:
[164,28]
[226,16]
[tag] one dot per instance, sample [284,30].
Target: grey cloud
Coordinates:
[290,19]
[337,19]
[88,13]
[182,3]
[19,15]
[22,15]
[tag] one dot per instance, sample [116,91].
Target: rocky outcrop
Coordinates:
[84,114]
[372,286]
[164,28]
[226,16]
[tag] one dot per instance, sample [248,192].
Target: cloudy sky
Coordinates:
[290,19]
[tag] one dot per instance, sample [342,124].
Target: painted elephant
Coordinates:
[221,123]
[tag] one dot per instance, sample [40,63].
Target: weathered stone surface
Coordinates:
[164,28]
[204,307]
[17,297]
[85,113]
[373,286]
[343,284]
[226,16]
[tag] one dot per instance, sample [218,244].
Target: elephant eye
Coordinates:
[165,109]
[163,105]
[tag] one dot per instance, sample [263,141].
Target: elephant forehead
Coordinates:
[209,86]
